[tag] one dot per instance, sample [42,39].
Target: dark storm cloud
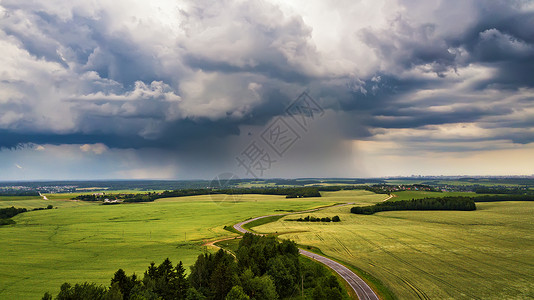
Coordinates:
[278,71]
[174,135]
[96,76]
[498,35]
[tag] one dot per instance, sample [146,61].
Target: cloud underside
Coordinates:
[428,76]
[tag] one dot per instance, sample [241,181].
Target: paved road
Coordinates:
[358,285]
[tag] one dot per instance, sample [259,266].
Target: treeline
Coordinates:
[13,192]
[289,192]
[499,181]
[504,190]
[265,269]
[495,198]
[380,188]
[377,189]
[7,213]
[444,203]
[314,219]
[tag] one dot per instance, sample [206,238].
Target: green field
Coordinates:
[82,241]
[16,198]
[30,203]
[482,254]
[409,195]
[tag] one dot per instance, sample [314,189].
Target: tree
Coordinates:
[193,294]
[224,276]
[141,292]
[214,275]
[285,274]
[180,283]
[259,288]
[263,288]
[327,288]
[237,293]
[84,291]
[166,281]
[200,273]
[123,282]
[114,293]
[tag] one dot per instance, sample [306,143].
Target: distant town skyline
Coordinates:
[288,89]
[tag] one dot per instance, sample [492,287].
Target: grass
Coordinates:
[88,242]
[261,221]
[230,245]
[358,197]
[375,284]
[482,254]
[16,198]
[30,203]
[409,195]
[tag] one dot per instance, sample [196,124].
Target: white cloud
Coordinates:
[95,148]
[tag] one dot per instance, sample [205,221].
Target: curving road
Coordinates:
[358,285]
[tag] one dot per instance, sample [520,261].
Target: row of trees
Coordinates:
[263,269]
[380,188]
[495,198]
[444,203]
[289,192]
[503,190]
[15,192]
[314,219]
[7,213]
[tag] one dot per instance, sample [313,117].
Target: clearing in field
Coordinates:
[83,241]
[482,254]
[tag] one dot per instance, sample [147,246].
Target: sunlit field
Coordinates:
[82,241]
[482,254]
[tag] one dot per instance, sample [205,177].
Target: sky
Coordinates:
[192,89]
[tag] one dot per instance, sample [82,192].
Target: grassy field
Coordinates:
[15,198]
[82,241]
[30,203]
[482,254]
[409,195]
[358,197]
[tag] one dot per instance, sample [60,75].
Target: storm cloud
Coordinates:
[196,81]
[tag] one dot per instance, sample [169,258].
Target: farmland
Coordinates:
[409,195]
[82,241]
[479,254]
[482,254]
